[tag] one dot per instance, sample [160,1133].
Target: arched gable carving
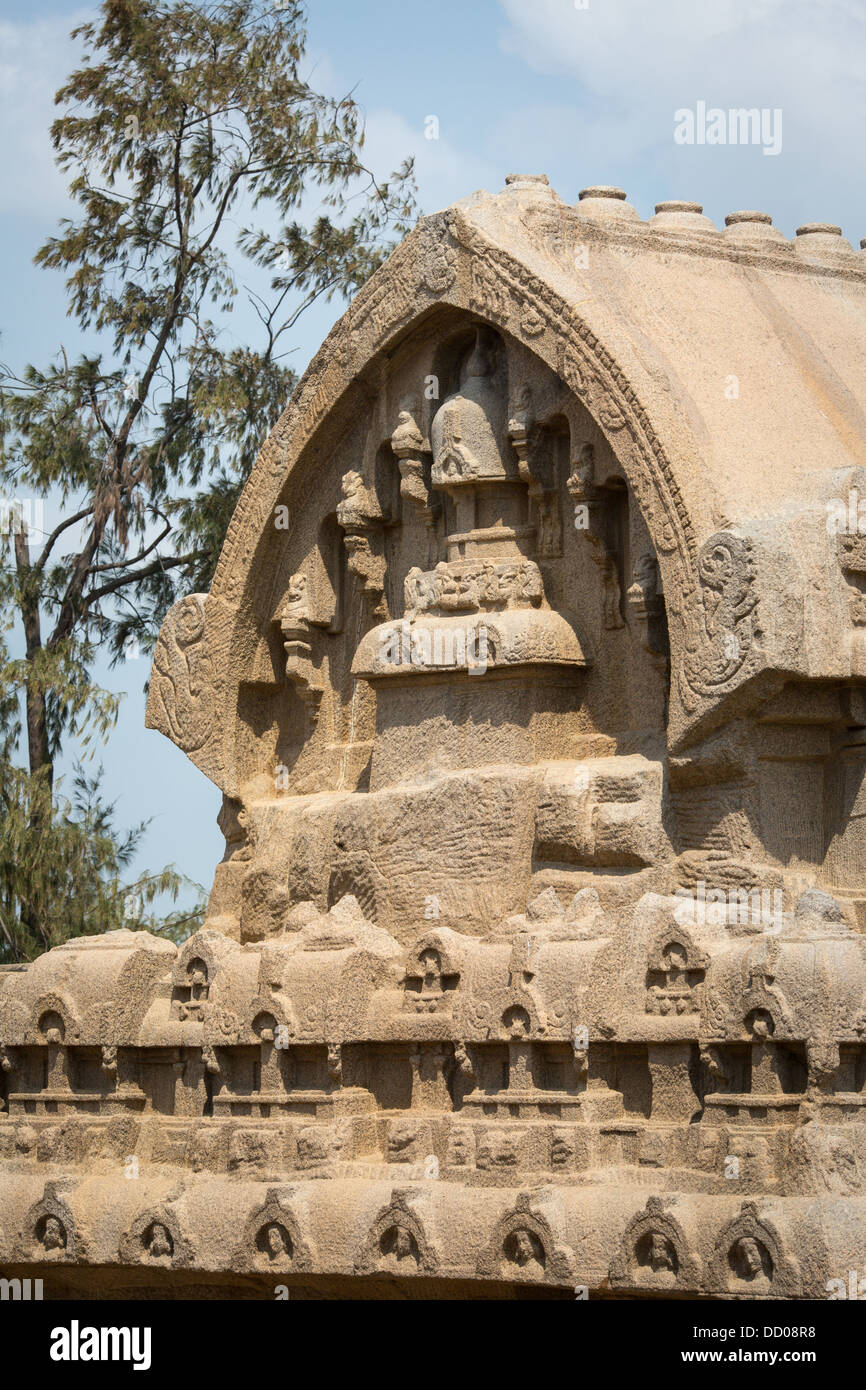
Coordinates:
[273,1239]
[524,1247]
[155,1238]
[432,976]
[528,307]
[750,1258]
[397,1241]
[58,1005]
[675,972]
[50,1232]
[655,1252]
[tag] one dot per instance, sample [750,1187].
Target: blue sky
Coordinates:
[585,93]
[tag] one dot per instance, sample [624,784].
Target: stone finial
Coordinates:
[521,180]
[605,200]
[602,190]
[676,205]
[734,219]
[820,237]
[749,225]
[680,215]
[813,228]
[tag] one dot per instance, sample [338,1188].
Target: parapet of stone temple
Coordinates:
[533,675]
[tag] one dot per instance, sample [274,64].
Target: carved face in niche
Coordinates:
[749,1259]
[158,1242]
[52,1234]
[399,1242]
[523,1248]
[657,1252]
[275,1241]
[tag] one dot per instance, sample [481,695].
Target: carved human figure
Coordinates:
[403,1244]
[747,1259]
[277,1243]
[582,473]
[508,577]
[660,1254]
[419,591]
[398,1244]
[523,1248]
[53,1235]
[352,487]
[530,588]
[158,1241]
[198,981]
[197,989]
[297,603]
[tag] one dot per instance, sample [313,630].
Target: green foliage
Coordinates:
[69,863]
[184,118]
[64,866]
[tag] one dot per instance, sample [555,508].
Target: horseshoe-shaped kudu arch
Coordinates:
[533,675]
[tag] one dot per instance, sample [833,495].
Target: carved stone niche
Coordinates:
[751,1260]
[675,973]
[273,1241]
[431,978]
[397,1242]
[49,1231]
[524,1248]
[155,1238]
[655,1253]
[194,973]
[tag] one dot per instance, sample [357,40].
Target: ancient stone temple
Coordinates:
[533,676]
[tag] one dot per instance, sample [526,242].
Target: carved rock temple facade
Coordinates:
[533,675]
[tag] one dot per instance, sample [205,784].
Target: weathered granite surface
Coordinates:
[534,678]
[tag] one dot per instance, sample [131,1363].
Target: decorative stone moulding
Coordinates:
[536,957]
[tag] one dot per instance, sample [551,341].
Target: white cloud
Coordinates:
[634,64]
